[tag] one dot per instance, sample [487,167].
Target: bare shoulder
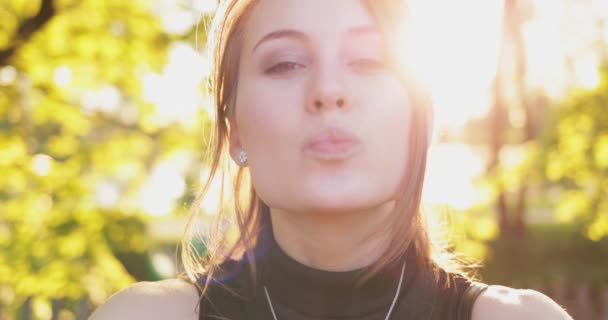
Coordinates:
[502,303]
[166,299]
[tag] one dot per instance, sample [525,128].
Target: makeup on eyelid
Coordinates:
[292,62]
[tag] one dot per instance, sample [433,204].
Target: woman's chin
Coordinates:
[339,202]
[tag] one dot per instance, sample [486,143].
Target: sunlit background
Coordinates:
[105,121]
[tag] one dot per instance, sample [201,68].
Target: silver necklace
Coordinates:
[390,310]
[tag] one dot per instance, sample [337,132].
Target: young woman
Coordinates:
[318,107]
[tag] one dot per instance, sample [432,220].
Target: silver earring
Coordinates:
[242,157]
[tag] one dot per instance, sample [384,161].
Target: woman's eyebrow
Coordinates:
[363,31]
[299,35]
[283,33]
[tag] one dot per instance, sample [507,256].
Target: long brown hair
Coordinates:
[408,232]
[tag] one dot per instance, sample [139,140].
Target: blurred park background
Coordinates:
[104,124]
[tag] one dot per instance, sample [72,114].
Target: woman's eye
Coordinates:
[283,67]
[368,64]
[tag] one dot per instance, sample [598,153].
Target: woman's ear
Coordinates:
[235,147]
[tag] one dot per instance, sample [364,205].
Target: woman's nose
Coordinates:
[324,103]
[327,91]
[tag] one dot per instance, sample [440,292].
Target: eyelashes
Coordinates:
[368,65]
[363,65]
[283,68]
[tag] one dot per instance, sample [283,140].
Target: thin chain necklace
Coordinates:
[390,310]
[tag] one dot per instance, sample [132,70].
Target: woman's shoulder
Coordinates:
[172,298]
[166,299]
[480,301]
[500,302]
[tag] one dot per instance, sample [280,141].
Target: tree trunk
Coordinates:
[511,71]
[498,118]
[27,29]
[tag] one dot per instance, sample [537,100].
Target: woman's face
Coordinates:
[322,118]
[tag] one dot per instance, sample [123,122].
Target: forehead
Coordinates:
[314,17]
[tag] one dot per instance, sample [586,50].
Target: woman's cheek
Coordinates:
[267,120]
[393,113]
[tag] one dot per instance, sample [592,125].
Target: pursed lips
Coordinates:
[331,144]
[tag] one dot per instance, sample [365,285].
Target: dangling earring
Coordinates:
[242,158]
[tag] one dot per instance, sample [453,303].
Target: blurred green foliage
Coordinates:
[573,159]
[57,145]
[545,254]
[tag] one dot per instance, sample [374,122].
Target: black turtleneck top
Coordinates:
[299,292]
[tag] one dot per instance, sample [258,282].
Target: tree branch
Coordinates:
[27,29]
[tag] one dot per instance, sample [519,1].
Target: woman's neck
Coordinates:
[333,242]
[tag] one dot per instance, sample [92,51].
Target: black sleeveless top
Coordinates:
[299,292]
